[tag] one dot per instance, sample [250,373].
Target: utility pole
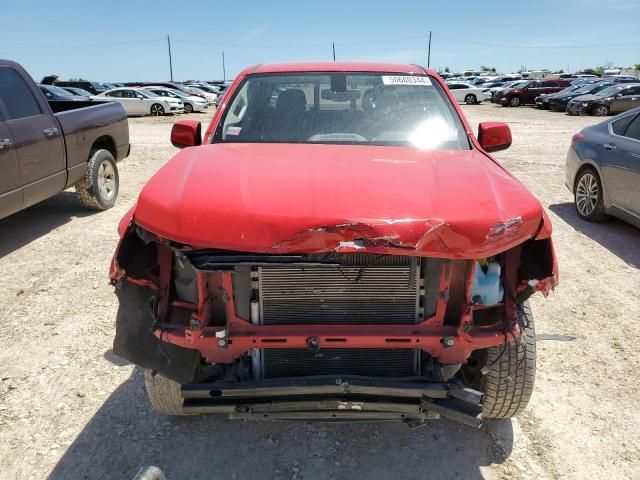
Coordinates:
[224,70]
[333,46]
[429,51]
[170,61]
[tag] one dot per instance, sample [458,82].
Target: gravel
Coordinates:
[69,408]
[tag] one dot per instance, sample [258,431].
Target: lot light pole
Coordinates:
[333,46]
[170,61]
[429,51]
[224,70]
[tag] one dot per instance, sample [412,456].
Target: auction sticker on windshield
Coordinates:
[405,80]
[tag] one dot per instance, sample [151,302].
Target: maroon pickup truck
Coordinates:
[47,147]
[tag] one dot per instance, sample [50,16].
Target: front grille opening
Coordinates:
[376,362]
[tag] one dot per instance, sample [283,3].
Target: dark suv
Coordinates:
[527,93]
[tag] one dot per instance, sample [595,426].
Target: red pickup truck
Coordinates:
[47,147]
[340,246]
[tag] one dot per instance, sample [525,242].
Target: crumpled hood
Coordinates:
[288,198]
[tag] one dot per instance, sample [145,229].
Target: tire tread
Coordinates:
[164,394]
[502,399]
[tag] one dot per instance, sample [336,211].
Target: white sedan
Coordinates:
[211,97]
[137,101]
[191,102]
[463,92]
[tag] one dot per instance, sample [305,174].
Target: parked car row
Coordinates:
[599,98]
[138,98]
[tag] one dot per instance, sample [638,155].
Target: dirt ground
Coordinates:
[71,409]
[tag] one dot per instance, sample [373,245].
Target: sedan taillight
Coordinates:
[576,137]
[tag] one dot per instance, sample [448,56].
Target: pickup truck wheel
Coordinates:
[157,110]
[514,102]
[508,384]
[470,99]
[164,394]
[188,108]
[99,188]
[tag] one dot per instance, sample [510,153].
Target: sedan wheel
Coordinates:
[470,99]
[157,110]
[601,111]
[588,196]
[514,102]
[188,108]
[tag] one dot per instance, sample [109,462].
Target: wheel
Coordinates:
[470,99]
[601,111]
[188,108]
[508,384]
[157,110]
[588,196]
[514,102]
[99,188]
[164,394]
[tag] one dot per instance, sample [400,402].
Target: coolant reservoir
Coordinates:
[486,287]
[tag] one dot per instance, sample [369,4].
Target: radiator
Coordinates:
[363,289]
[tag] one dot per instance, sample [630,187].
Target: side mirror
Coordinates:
[494,136]
[186,133]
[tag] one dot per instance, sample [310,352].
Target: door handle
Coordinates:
[609,146]
[50,132]
[5,144]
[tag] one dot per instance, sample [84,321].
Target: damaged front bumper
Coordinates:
[330,398]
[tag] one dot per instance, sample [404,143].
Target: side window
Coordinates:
[16,96]
[235,115]
[455,86]
[115,93]
[619,126]
[632,91]
[633,130]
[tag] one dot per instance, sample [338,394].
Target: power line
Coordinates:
[244,45]
[319,46]
[487,44]
[86,45]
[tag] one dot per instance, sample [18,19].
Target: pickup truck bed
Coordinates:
[47,147]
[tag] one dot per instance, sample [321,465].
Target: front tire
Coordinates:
[164,394]
[514,102]
[188,108]
[508,384]
[588,196]
[157,110]
[470,99]
[601,111]
[99,188]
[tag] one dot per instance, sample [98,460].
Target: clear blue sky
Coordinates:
[119,41]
